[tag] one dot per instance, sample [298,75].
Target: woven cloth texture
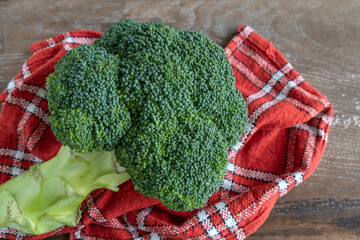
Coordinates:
[288,128]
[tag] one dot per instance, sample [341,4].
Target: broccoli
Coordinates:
[185,111]
[161,101]
[87,113]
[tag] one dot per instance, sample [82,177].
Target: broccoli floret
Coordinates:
[181,163]
[86,111]
[185,111]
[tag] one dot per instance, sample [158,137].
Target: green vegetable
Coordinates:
[185,111]
[163,101]
[48,195]
[86,112]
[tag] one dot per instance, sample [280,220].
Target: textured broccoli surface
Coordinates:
[185,111]
[86,111]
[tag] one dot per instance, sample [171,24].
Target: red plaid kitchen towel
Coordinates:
[286,135]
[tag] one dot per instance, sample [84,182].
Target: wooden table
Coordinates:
[320,38]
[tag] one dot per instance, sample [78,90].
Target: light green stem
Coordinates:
[48,195]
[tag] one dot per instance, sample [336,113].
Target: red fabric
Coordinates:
[288,129]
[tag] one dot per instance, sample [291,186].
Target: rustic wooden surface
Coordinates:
[320,38]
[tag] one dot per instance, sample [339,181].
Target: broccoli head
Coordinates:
[86,111]
[185,111]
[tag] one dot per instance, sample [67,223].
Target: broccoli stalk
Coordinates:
[48,195]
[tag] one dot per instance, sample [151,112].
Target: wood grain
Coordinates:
[320,38]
